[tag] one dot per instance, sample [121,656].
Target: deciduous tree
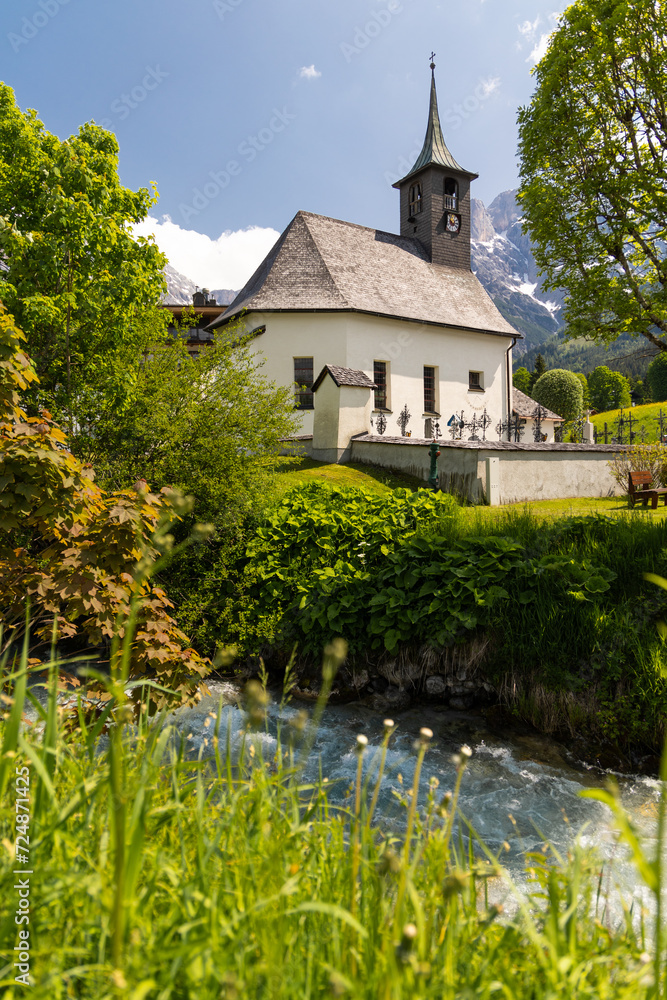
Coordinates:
[80,555]
[656,376]
[593,147]
[82,288]
[521,380]
[609,390]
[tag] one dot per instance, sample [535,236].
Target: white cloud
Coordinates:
[528,28]
[226,262]
[490,85]
[541,44]
[309,72]
[540,48]
[528,31]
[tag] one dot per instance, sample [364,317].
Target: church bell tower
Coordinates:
[435,197]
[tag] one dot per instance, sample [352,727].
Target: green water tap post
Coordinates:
[433,474]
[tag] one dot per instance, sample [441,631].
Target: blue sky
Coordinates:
[245,111]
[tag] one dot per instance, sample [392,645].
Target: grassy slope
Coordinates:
[645,416]
[293,471]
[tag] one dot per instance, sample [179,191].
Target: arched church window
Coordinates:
[415,199]
[451,194]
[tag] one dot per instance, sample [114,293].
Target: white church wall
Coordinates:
[356,340]
[294,335]
[408,347]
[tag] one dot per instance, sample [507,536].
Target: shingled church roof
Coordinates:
[325,265]
[344,376]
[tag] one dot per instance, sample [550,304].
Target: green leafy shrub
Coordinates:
[608,390]
[521,380]
[650,458]
[427,590]
[318,531]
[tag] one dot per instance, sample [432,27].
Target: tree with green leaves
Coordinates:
[521,380]
[656,376]
[586,402]
[593,148]
[561,391]
[212,427]
[640,390]
[537,372]
[84,290]
[609,390]
[209,425]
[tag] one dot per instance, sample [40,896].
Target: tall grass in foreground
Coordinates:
[158,876]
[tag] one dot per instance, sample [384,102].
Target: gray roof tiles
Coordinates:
[524,406]
[323,264]
[344,376]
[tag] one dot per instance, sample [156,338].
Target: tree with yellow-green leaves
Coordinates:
[593,148]
[83,289]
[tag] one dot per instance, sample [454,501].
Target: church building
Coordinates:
[401,318]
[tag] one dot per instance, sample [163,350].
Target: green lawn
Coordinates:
[293,471]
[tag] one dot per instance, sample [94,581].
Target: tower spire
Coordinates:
[435,196]
[434,150]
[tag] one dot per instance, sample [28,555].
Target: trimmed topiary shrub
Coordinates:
[560,391]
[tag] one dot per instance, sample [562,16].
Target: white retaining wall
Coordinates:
[516,472]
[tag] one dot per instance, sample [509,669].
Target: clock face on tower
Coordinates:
[453,222]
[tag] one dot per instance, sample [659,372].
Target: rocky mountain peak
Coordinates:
[503,261]
[481,223]
[504,211]
[181,289]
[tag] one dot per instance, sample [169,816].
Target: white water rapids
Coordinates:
[525,779]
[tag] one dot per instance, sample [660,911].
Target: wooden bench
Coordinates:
[640,490]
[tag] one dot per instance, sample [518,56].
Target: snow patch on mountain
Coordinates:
[503,261]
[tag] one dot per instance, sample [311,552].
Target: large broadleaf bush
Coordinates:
[561,607]
[345,531]
[384,572]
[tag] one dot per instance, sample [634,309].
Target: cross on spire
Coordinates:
[432,58]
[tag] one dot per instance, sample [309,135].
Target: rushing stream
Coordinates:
[523,790]
[528,779]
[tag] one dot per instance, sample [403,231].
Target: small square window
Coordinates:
[475,382]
